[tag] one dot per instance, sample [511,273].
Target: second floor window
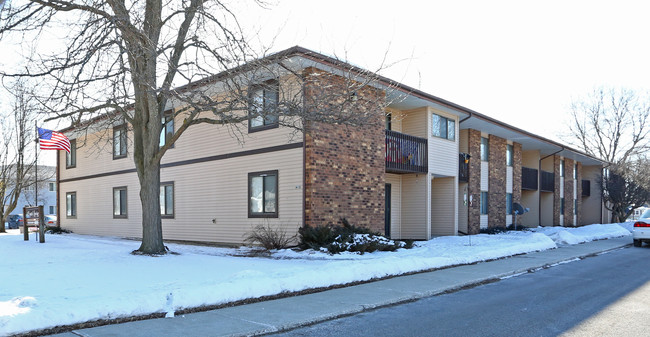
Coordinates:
[443,127]
[167,131]
[51,187]
[71,158]
[262,106]
[509,155]
[485,149]
[119,141]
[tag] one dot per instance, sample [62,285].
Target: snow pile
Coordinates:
[576,235]
[72,278]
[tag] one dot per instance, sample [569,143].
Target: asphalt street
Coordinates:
[604,295]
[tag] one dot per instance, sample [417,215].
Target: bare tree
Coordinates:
[144,61]
[18,133]
[614,124]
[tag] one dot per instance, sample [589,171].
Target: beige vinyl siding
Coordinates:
[443,206]
[462,207]
[464,140]
[414,123]
[396,119]
[202,192]
[443,153]
[529,198]
[395,180]
[415,206]
[590,212]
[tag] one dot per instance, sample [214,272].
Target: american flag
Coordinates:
[52,140]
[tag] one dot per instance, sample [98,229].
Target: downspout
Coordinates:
[468,194]
[539,185]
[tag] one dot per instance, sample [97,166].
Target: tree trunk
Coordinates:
[152,238]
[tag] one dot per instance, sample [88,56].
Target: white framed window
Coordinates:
[51,186]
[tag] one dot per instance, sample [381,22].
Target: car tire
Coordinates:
[637,243]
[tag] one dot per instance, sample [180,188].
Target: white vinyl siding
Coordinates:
[509,178]
[485,173]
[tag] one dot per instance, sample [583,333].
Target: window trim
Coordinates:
[123,129]
[72,155]
[253,88]
[74,214]
[126,196]
[446,121]
[277,194]
[173,215]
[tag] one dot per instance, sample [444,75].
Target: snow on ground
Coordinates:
[73,278]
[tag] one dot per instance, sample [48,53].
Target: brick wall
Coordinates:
[474,184]
[497,182]
[344,166]
[568,192]
[556,191]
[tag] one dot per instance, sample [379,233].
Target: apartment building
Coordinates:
[422,167]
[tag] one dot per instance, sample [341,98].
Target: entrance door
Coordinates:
[387,211]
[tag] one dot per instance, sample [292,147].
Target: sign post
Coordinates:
[34,216]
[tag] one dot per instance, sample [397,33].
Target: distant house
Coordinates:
[46,188]
[429,167]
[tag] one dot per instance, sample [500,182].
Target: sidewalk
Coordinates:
[282,314]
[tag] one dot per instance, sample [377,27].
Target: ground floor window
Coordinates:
[167,199]
[508,203]
[263,194]
[561,206]
[484,202]
[119,202]
[575,206]
[71,204]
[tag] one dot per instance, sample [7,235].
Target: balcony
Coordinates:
[586,188]
[529,179]
[463,167]
[405,153]
[548,182]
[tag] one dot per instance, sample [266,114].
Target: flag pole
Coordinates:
[36,166]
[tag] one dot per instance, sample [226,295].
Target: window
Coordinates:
[119,202]
[119,141]
[561,206]
[262,106]
[575,206]
[71,204]
[443,127]
[51,187]
[52,210]
[562,168]
[575,171]
[167,131]
[389,121]
[29,188]
[509,155]
[71,158]
[167,200]
[508,203]
[485,149]
[263,194]
[484,202]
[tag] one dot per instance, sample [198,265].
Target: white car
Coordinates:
[641,231]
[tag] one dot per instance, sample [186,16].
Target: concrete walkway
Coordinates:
[283,314]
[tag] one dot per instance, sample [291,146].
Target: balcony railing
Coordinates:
[548,182]
[463,167]
[405,153]
[586,188]
[529,179]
